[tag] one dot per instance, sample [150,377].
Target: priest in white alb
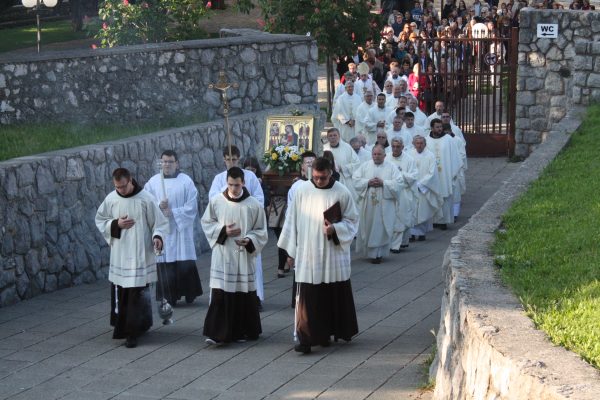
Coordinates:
[365,82]
[377,117]
[362,114]
[177,197]
[377,184]
[410,130]
[346,159]
[406,198]
[236,229]
[460,184]
[448,163]
[344,112]
[420,117]
[428,199]
[319,228]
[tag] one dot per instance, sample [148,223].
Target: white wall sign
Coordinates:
[548,31]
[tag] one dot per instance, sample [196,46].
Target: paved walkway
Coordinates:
[59,345]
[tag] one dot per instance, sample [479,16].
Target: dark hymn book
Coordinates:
[333,214]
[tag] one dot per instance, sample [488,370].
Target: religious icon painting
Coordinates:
[290,130]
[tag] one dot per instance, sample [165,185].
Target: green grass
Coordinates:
[28,139]
[25,36]
[549,250]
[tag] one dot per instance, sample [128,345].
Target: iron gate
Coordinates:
[476,79]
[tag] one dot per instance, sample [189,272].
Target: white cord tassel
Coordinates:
[116,300]
[296,312]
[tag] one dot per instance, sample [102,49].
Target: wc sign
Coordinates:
[548,31]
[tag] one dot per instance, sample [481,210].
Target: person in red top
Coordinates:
[417,84]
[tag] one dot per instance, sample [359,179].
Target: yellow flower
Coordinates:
[294,157]
[274,156]
[286,149]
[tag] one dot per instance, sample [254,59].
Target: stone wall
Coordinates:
[48,239]
[158,80]
[487,347]
[554,74]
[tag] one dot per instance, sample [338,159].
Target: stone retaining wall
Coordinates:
[554,74]
[48,239]
[487,347]
[159,80]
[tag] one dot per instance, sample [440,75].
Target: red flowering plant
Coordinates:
[150,21]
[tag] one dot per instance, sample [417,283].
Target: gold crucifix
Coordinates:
[222,87]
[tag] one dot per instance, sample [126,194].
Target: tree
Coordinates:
[337,25]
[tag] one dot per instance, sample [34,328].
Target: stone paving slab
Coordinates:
[59,345]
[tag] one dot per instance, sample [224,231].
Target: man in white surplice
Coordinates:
[413,107]
[344,111]
[460,184]
[251,182]
[362,114]
[363,155]
[406,199]
[346,159]
[320,249]
[364,82]
[427,198]
[236,229]
[448,163]
[377,183]
[132,224]
[439,108]
[410,130]
[177,197]
[377,117]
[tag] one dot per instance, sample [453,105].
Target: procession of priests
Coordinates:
[395,175]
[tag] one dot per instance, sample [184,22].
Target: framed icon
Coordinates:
[289,130]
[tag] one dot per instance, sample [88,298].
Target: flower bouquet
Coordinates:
[283,159]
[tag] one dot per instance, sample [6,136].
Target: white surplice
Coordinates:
[376,115]
[362,119]
[233,270]
[346,161]
[406,200]
[377,207]
[448,163]
[420,117]
[183,202]
[427,196]
[251,182]
[132,258]
[344,111]
[317,258]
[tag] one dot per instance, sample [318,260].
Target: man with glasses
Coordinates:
[134,227]
[320,250]
[177,197]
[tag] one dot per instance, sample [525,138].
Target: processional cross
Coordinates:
[222,85]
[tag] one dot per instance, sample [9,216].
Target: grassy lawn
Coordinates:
[28,139]
[550,251]
[25,36]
